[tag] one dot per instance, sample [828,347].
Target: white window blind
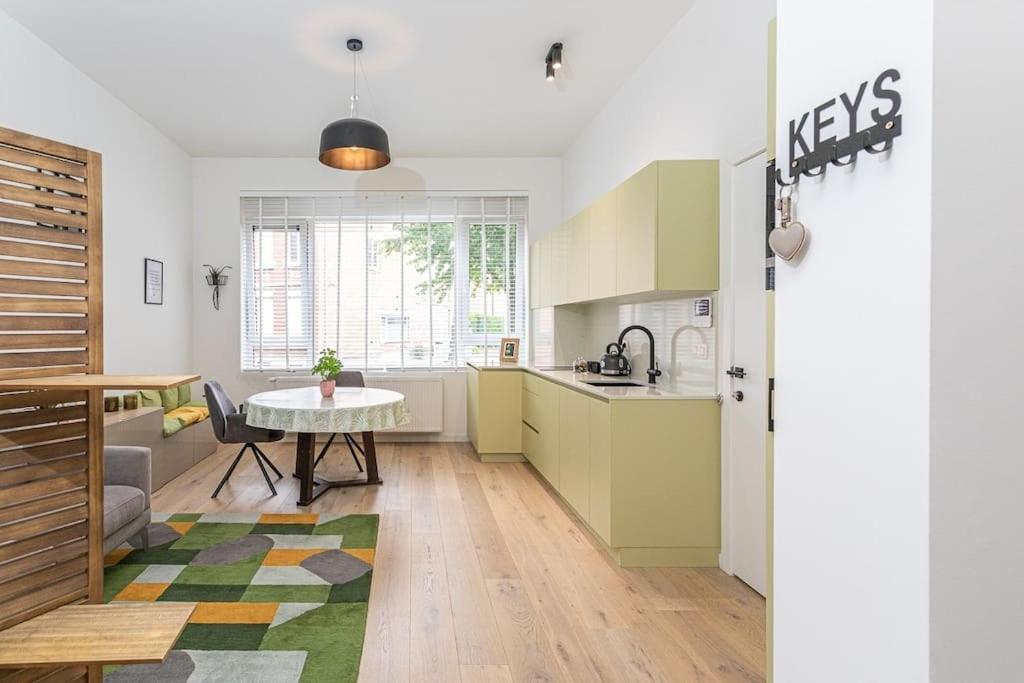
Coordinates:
[390,281]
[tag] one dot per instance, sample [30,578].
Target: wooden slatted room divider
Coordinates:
[51,323]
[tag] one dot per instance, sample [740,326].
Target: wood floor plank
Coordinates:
[386,651]
[476,630]
[526,642]
[432,649]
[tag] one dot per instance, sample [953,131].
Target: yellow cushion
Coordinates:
[189,415]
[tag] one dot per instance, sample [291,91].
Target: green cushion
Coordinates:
[149,397]
[172,426]
[169,399]
[184,394]
[198,403]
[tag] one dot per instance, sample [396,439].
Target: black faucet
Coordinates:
[652,372]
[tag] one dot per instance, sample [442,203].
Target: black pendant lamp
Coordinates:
[354,144]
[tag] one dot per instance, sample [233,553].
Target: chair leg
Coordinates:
[227,475]
[263,469]
[323,451]
[260,453]
[352,442]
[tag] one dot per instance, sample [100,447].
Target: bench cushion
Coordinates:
[121,505]
[172,426]
[184,394]
[189,415]
[149,398]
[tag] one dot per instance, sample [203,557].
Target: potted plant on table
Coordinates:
[327,366]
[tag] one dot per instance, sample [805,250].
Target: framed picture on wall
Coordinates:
[509,349]
[153,282]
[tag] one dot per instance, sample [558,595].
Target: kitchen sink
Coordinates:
[611,383]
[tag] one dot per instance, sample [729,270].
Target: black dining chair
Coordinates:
[229,427]
[345,378]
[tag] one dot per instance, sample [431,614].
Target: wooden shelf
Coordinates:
[100,382]
[118,633]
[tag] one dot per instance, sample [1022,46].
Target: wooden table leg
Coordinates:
[305,451]
[370,453]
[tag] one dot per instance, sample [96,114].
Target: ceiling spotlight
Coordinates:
[553,60]
[556,55]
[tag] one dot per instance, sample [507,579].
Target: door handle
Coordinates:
[738,395]
[736,372]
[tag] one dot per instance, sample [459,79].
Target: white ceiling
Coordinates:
[446,77]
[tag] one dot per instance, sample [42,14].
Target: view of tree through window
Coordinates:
[391,282]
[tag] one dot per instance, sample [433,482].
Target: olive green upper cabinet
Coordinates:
[558,264]
[603,246]
[579,258]
[667,228]
[535,274]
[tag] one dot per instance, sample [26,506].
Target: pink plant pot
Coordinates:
[327,388]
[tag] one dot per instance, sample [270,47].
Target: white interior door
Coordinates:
[748,414]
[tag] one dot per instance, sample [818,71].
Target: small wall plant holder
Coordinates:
[216,278]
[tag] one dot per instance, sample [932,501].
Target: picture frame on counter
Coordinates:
[509,350]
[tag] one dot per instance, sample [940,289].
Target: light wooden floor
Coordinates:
[482,575]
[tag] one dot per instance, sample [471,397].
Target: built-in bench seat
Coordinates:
[172,424]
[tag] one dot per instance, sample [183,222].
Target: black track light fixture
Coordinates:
[553,61]
[556,56]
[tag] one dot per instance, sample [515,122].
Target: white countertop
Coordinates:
[576,380]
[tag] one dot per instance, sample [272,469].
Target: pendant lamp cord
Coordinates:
[355,97]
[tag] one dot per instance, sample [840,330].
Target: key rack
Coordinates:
[843,152]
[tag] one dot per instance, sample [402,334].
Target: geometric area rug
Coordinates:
[281,597]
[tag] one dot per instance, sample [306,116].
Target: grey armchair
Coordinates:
[229,427]
[126,491]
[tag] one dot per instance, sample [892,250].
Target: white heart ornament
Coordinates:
[788,241]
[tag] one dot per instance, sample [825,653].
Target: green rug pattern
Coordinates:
[281,597]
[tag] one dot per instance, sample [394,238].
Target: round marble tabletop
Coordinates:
[351,409]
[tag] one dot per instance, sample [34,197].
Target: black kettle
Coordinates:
[614,361]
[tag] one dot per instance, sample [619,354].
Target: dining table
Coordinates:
[305,411]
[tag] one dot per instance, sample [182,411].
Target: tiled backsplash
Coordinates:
[685,354]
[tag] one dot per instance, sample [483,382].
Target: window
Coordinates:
[391,282]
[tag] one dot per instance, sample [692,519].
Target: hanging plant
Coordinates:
[216,277]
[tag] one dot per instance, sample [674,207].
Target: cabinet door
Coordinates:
[602,248]
[636,229]
[544,259]
[535,275]
[688,225]
[559,265]
[600,470]
[473,406]
[574,450]
[546,447]
[579,258]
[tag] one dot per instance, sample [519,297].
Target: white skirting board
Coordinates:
[424,397]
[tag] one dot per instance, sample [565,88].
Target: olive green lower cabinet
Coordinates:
[644,474]
[494,413]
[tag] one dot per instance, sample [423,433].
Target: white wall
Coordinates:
[852,363]
[147,196]
[699,95]
[218,184]
[977,472]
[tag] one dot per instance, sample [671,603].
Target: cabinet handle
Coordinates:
[531,427]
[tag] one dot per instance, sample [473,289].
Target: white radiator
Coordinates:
[424,397]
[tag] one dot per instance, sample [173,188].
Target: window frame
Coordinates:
[451,344]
